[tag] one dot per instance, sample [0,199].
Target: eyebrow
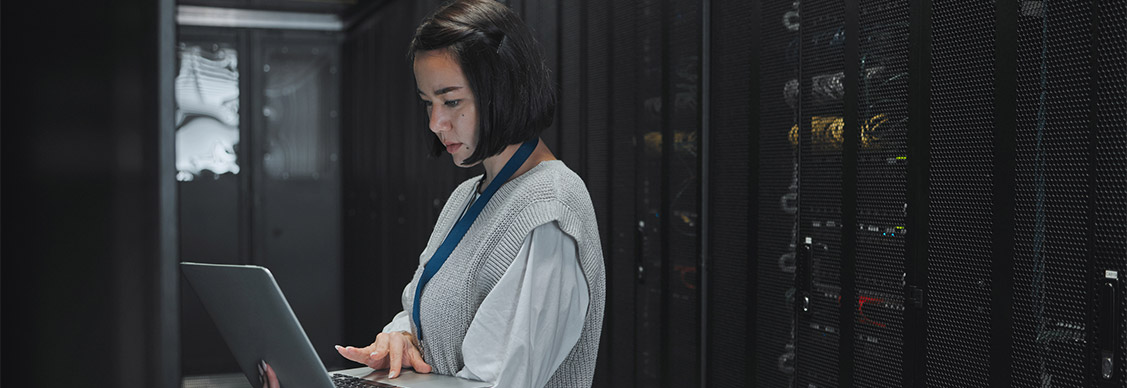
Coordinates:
[442,91]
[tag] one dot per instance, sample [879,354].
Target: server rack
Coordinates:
[937,191]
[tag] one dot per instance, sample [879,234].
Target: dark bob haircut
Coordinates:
[512,88]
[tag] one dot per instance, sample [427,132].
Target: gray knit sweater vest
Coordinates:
[548,192]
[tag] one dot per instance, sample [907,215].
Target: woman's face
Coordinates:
[449,102]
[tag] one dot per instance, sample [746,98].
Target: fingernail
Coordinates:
[373,354]
[391,375]
[339,347]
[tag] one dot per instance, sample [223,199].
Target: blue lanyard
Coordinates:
[464,224]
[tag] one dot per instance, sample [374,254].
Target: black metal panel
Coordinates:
[850,142]
[90,275]
[598,142]
[961,200]
[623,259]
[651,335]
[917,212]
[359,237]
[821,124]
[544,18]
[375,89]
[776,239]
[730,198]
[297,189]
[883,98]
[681,186]
[571,108]
[1051,252]
[596,97]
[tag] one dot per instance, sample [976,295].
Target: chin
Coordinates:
[457,159]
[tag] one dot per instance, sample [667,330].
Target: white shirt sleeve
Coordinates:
[533,317]
[401,322]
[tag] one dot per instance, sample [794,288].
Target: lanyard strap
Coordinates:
[463,225]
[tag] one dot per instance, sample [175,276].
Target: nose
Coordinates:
[438,122]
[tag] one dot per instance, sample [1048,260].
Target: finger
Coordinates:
[262,374]
[272,378]
[417,361]
[372,347]
[353,353]
[380,346]
[344,352]
[396,355]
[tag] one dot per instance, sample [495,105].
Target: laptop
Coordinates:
[259,325]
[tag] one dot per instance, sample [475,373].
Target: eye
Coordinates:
[453,103]
[426,103]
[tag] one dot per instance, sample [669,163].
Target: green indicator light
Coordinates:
[901,158]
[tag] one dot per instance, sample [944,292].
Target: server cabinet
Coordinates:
[1069,132]
[996,129]
[821,109]
[1017,258]
[962,210]
[1107,218]
[211,163]
[259,183]
[880,140]
[777,228]
[297,188]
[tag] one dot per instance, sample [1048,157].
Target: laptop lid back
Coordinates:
[257,323]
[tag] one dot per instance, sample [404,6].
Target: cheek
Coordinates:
[468,124]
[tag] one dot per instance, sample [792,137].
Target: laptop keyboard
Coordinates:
[346,381]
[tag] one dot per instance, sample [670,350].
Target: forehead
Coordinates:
[436,69]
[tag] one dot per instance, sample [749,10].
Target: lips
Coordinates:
[453,147]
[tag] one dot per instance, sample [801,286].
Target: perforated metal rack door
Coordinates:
[728,306]
[1111,164]
[650,305]
[961,186]
[681,150]
[881,193]
[778,195]
[1051,255]
[822,125]
[624,256]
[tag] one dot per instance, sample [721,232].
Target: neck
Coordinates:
[495,163]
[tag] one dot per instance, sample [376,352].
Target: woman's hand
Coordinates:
[266,376]
[389,350]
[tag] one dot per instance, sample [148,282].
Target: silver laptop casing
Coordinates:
[258,325]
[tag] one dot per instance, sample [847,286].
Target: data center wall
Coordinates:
[819,114]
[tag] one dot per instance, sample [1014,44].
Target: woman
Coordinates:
[510,287]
